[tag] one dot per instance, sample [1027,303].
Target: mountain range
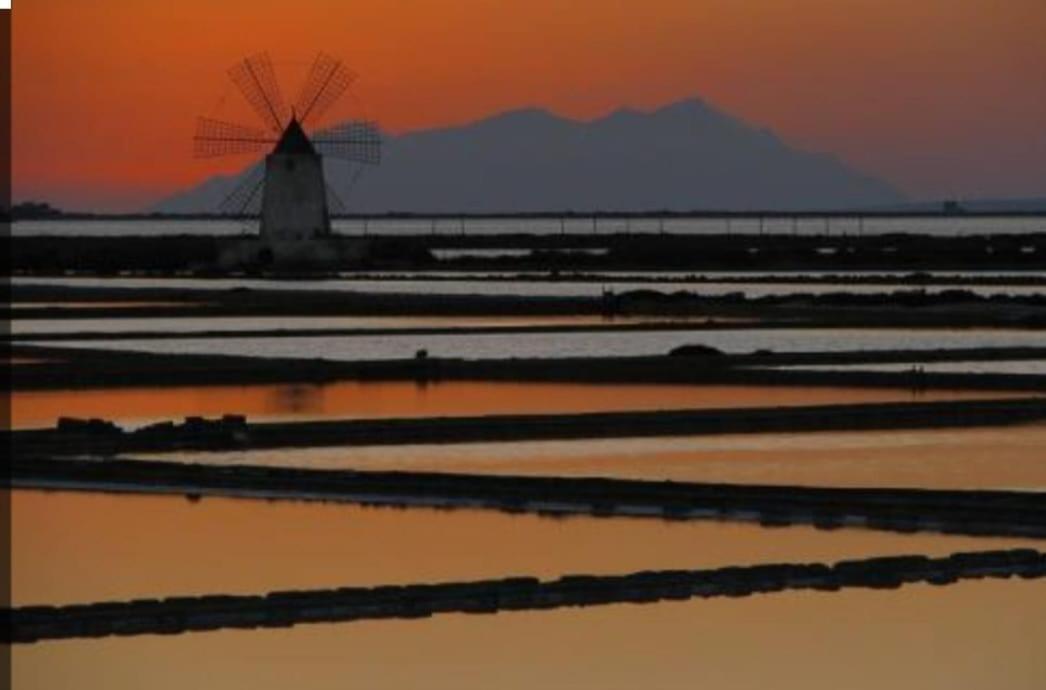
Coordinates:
[684,156]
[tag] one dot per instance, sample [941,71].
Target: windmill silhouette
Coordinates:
[289,191]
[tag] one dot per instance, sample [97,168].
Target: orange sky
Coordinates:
[942,97]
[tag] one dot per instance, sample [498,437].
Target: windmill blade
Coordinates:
[220,138]
[245,199]
[357,141]
[335,204]
[256,80]
[328,78]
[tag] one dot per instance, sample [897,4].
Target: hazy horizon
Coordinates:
[247,161]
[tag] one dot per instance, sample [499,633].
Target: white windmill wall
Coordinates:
[294,200]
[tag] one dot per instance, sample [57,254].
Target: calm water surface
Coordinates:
[969,636]
[533,288]
[551,226]
[595,344]
[974,458]
[191,324]
[350,399]
[78,547]
[1030,366]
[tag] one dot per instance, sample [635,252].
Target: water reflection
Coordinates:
[79,547]
[983,634]
[190,324]
[944,225]
[538,284]
[136,406]
[1036,367]
[974,458]
[296,400]
[573,344]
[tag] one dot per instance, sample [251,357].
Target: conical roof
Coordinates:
[294,140]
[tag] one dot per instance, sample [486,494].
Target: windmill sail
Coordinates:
[357,141]
[245,199]
[327,81]
[256,80]
[220,138]
[289,189]
[335,204]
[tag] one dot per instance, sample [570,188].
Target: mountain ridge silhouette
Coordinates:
[685,155]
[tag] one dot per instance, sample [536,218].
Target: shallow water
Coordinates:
[842,277]
[426,285]
[971,636]
[80,547]
[591,344]
[189,324]
[551,226]
[1029,366]
[132,407]
[972,458]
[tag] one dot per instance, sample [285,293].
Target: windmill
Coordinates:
[288,191]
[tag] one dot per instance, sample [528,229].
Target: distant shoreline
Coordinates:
[841,250]
[572,214]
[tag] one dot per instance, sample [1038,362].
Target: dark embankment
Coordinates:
[609,326]
[282,609]
[912,279]
[697,327]
[75,367]
[892,252]
[900,308]
[72,437]
[982,513]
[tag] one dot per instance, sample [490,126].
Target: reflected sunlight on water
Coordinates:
[973,635]
[972,458]
[351,399]
[73,547]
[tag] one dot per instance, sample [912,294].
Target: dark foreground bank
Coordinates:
[284,609]
[44,254]
[51,367]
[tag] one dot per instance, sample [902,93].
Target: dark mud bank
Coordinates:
[78,367]
[622,251]
[284,609]
[77,437]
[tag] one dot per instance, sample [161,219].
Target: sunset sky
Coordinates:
[943,98]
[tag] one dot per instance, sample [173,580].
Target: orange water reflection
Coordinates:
[32,409]
[70,547]
[972,458]
[972,635]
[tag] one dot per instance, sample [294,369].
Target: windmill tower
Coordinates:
[288,191]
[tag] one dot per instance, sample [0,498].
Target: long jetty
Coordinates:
[283,609]
[973,512]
